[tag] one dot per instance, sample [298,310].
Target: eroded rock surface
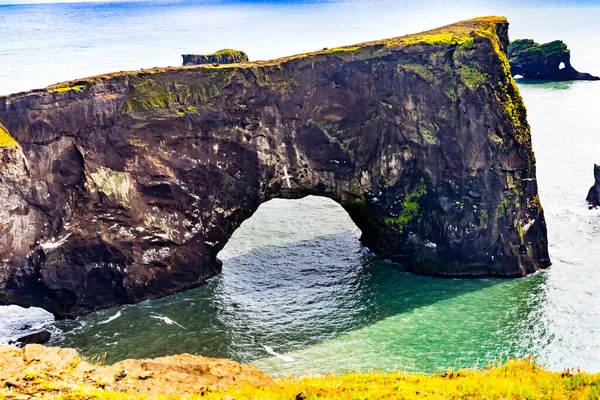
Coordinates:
[177,375]
[126,186]
[550,61]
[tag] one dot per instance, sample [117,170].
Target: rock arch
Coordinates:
[137,180]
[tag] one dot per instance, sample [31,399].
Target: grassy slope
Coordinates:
[517,379]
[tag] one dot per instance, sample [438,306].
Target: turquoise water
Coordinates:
[316,295]
[295,277]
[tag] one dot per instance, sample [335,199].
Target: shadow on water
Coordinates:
[287,297]
[545,83]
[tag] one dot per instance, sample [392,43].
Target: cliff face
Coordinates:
[125,187]
[544,61]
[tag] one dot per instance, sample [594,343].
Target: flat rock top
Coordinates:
[23,369]
[456,33]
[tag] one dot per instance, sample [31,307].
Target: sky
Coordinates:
[2,2]
[10,2]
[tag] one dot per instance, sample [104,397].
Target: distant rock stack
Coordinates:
[593,196]
[550,61]
[225,56]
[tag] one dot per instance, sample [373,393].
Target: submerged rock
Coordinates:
[41,337]
[126,186]
[593,196]
[550,61]
[225,56]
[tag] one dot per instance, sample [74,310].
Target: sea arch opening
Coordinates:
[294,274]
[281,221]
[300,248]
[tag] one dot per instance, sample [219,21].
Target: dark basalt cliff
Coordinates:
[125,187]
[550,61]
[226,56]
[593,196]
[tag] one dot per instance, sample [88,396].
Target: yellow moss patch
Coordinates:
[221,66]
[452,37]
[64,89]
[343,49]
[6,140]
[509,94]
[461,33]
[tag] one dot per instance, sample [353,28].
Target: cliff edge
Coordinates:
[125,187]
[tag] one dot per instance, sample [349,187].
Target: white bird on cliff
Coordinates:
[272,352]
[286,177]
[167,320]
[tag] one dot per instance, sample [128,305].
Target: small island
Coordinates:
[225,56]
[550,61]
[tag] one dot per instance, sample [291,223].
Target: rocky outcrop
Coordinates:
[593,197]
[225,56]
[550,61]
[50,370]
[125,187]
[40,337]
[51,373]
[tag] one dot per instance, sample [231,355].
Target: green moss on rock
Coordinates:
[472,76]
[171,97]
[419,70]
[410,207]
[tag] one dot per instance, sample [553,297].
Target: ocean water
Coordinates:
[295,277]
